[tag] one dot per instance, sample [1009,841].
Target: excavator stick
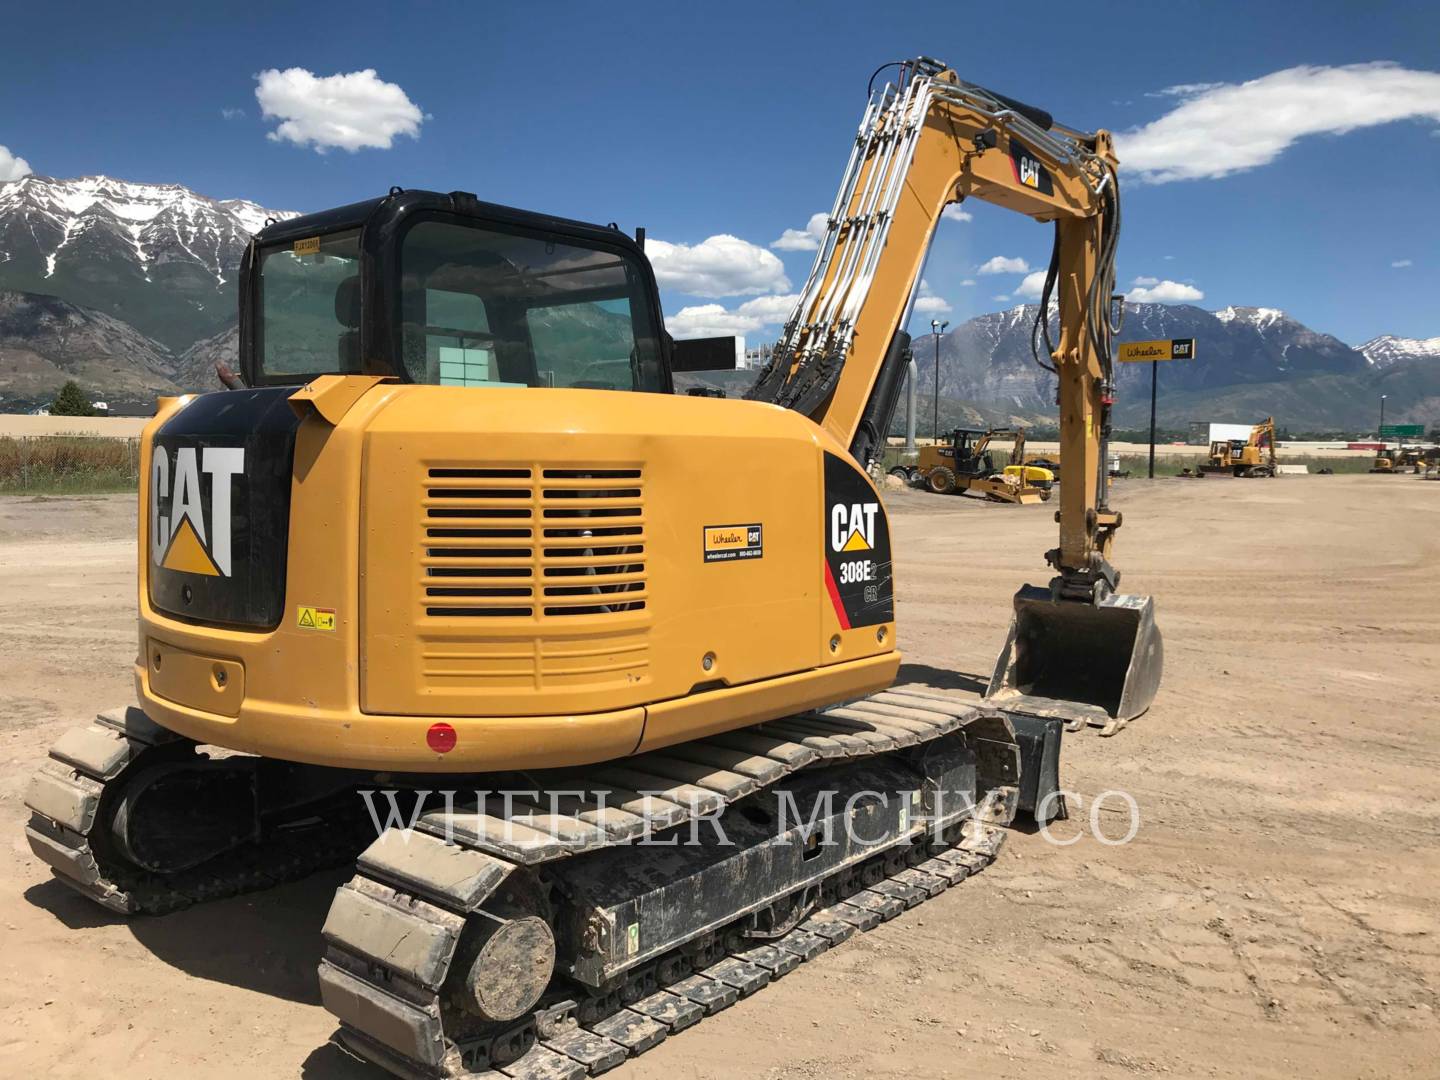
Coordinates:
[1087,663]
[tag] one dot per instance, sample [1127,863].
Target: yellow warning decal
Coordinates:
[315,618]
[309,246]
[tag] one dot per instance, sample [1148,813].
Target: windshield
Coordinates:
[310,307]
[484,307]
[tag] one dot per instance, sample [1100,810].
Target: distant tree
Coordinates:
[71,401]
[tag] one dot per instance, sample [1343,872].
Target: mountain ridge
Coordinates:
[160,257]
[130,289]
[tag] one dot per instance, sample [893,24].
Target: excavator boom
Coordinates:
[1076,649]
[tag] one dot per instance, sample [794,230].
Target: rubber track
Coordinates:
[395,928]
[598,1045]
[69,803]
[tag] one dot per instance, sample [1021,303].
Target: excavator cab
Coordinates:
[448,290]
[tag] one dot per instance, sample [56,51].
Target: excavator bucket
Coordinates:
[1084,663]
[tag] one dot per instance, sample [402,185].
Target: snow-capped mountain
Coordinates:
[1388,349]
[988,357]
[159,256]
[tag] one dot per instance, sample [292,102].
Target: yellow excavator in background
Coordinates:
[964,464]
[1252,457]
[1404,458]
[458,568]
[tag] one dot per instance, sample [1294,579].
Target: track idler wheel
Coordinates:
[514,961]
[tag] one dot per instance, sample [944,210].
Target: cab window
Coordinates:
[310,306]
[490,307]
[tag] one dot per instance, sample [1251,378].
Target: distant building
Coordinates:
[756,358]
[1205,432]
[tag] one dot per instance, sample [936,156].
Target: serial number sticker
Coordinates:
[726,542]
[309,246]
[315,618]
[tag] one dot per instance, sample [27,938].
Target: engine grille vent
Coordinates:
[509,542]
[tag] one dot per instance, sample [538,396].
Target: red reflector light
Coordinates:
[440,738]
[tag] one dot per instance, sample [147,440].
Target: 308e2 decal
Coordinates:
[858,572]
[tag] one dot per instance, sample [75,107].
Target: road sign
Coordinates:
[1402,431]
[1172,349]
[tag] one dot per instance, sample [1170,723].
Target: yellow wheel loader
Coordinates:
[964,464]
[594,678]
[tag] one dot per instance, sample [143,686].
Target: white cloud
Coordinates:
[1185,89]
[1142,280]
[1000,298]
[12,167]
[770,310]
[806,239]
[1165,292]
[1168,258]
[714,320]
[1401,264]
[954,213]
[968,281]
[722,265]
[352,111]
[1002,264]
[927,303]
[233,114]
[1032,286]
[1225,128]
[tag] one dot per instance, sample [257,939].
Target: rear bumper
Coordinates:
[355,740]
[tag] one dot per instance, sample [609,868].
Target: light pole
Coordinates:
[938,327]
[1381,432]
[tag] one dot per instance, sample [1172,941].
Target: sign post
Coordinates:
[1134,352]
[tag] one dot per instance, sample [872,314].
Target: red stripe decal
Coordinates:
[835,598]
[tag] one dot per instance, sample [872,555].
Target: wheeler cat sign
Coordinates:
[1171,349]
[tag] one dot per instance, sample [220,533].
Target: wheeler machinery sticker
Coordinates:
[726,542]
[858,573]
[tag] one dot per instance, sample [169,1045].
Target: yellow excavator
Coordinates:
[1251,457]
[964,464]
[1402,459]
[595,678]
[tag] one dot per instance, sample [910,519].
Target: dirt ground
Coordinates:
[1275,916]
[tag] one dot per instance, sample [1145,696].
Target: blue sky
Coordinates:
[735,119]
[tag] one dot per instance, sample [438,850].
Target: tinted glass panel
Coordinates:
[483,307]
[310,306]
